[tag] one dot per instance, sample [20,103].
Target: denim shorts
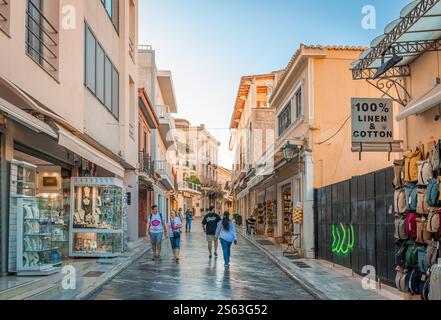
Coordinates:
[156,237]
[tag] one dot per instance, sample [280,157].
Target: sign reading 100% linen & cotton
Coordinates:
[372,120]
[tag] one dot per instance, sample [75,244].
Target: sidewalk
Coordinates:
[91,275]
[322,279]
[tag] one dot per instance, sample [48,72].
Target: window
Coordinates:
[112,8]
[100,58]
[299,103]
[101,76]
[284,119]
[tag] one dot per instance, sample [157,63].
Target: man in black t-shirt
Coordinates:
[209,224]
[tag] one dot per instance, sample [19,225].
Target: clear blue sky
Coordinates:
[209,44]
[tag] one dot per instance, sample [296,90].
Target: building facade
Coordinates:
[159,143]
[306,92]
[252,132]
[68,95]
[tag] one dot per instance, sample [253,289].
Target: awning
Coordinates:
[26,119]
[423,104]
[84,150]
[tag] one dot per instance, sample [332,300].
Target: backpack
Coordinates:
[398,173]
[400,200]
[432,252]
[411,165]
[411,193]
[413,279]
[434,157]
[435,283]
[432,193]
[411,225]
[422,205]
[400,280]
[425,287]
[433,220]
[411,254]
[425,172]
[423,236]
[400,227]
[400,255]
[423,266]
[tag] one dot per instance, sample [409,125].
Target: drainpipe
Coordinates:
[308,224]
[6,149]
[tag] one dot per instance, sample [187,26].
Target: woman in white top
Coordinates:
[175,227]
[227,235]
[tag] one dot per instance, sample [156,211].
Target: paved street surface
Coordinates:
[252,276]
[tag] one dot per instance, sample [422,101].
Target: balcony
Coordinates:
[41,39]
[189,187]
[164,169]
[166,125]
[131,49]
[146,165]
[4,16]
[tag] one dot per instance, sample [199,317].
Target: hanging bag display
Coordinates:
[426,289]
[433,220]
[400,227]
[422,205]
[411,225]
[423,236]
[425,172]
[398,173]
[423,266]
[411,165]
[400,201]
[435,283]
[411,195]
[433,193]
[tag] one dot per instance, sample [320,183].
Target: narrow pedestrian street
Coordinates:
[252,276]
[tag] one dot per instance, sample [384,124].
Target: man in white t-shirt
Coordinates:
[156,229]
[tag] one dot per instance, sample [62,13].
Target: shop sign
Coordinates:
[372,120]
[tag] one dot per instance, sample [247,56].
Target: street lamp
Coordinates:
[289,151]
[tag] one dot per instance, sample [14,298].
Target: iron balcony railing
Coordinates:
[131,49]
[41,38]
[3,18]
[189,186]
[146,164]
[164,168]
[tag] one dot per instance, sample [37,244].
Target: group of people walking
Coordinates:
[216,229]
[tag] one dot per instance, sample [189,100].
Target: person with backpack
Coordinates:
[227,234]
[188,220]
[156,229]
[209,223]
[175,227]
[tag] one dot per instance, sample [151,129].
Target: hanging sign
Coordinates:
[372,120]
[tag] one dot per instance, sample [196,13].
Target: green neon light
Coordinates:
[343,244]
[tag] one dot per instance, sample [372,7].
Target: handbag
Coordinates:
[176,234]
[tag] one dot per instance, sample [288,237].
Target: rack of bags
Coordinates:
[417,207]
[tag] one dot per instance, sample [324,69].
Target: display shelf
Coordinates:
[96,217]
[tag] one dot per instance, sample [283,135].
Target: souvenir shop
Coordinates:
[265,212]
[59,204]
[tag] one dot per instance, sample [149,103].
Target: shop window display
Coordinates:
[97,214]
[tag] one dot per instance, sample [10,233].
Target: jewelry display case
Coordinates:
[35,250]
[96,217]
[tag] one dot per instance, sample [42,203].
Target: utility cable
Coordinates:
[335,134]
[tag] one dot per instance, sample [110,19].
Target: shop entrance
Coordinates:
[287,212]
[38,214]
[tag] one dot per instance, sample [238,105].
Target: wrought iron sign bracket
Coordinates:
[392,88]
